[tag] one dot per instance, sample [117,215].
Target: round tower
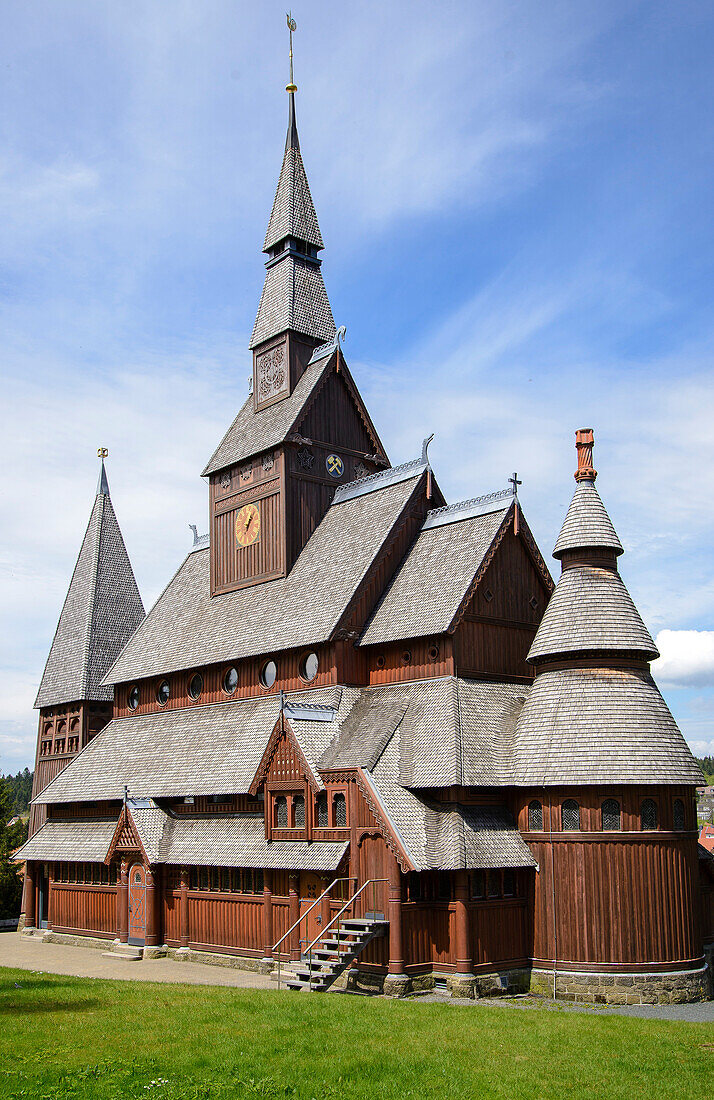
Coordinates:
[607,785]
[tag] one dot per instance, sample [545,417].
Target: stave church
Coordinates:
[362,739]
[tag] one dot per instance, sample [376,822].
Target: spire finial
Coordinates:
[292,26]
[584,440]
[103,484]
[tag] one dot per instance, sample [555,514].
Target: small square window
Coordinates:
[487,595]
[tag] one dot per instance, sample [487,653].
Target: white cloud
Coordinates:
[687,658]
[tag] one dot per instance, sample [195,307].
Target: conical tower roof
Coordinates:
[294,296]
[101,611]
[587,523]
[293,213]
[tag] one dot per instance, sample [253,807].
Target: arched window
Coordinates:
[281,812]
[535,816]
[322,817]
[648,814]
[299,811]
[340,805]
[611,817]
[570,816]
[678,814]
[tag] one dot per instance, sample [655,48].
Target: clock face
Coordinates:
[248,525]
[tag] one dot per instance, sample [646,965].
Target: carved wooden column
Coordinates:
[294,914]
[50,894]
[268,914]
[152,929]
[183,908]
[464,954]
[30,895]
[396,954]
[123,901]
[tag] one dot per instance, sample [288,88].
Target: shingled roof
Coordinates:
[85,839]
[188,627]
[293,297]
[101,611]
[430,584]
[589,726]
[586,523]
[195,750]
[293,213]
[591,610]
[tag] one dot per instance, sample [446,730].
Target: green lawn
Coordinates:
[81,1037]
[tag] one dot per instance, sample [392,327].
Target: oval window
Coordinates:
[268,674]
[162,693]
[133,698]
[309,666]
[406,657]
[195,687]
[230,681]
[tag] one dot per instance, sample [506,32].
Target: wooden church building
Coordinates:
[362,733]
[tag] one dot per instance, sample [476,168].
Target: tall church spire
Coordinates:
[294,296]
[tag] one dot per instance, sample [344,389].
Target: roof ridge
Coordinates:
[466,509]
[383,478]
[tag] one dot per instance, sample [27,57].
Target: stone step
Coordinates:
[126,951]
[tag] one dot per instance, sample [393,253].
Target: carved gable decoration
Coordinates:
[126,836]
[284,761]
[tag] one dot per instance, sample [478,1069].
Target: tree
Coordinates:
[10,839]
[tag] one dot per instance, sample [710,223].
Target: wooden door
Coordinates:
[137,904]
[310,889]
[374,863]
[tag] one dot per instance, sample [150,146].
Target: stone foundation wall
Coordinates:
[673,987]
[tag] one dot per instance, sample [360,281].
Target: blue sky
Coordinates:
[516,204]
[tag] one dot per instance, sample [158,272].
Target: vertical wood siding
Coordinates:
[83,909]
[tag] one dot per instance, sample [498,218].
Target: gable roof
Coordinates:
[188,627]
[427,590]
[252,432]
[587,523]
[591,610]
[101,611]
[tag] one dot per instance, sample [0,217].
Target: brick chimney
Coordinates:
[584,440]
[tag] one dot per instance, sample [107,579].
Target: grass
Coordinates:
[79,1037]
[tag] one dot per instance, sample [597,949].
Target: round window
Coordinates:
[133,698]
[268,674]
[230,681]
[162,693]
[433,652]
[380,661]
[406,657]
[309,666]
[195,686]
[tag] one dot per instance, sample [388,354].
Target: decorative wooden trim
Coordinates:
[282,728]
[126,821]
[384,825]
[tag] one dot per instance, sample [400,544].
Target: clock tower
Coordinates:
[304,429]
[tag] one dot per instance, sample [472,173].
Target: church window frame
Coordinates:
[322,811]
[298,811]
[535,816]
[133,698]
[339,809]
[611,816]
[570,821]
[649,815]
[309,667]
[163,691]
[280,811]
[679,815]
[195,686]
[230,676]
[268,674]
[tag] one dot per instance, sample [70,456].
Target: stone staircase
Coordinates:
[334,952]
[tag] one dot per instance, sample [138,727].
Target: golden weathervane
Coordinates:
[102,452]
[292,26]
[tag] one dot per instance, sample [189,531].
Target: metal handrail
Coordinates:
[304,915]
[308,950]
